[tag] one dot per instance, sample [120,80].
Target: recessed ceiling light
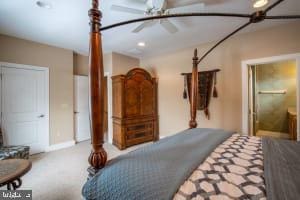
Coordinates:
[260,3]
[44,4]
[141,44]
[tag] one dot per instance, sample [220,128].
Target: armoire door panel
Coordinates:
[132,98]
[147,98]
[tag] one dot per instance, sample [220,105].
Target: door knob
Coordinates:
[41,116]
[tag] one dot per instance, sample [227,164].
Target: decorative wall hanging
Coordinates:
[207,83]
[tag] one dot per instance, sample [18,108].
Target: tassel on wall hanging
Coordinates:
[215,92]
[207,87]
[185,88]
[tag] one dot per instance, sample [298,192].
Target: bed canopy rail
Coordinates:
[178,15]
[221,41]
[98,155]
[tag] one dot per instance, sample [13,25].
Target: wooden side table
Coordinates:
[292,120]
[11,171]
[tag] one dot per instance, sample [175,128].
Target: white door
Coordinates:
[24,110]
[82,125]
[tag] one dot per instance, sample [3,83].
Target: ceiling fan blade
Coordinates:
[126,9]
[181,3]
[188,9]
[159,4]
[169,26]
[144,25]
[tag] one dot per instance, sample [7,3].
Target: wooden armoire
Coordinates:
[135,117]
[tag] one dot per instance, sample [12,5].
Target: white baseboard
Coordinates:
[83,139]
[63,145]
[163,136]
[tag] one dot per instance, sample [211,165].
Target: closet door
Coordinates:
[81,111]
[24,108]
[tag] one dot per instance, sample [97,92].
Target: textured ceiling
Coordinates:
[66,25]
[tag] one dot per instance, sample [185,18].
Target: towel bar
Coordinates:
[272,92]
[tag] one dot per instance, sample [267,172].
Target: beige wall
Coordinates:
[107,62]
[121,64]
[226,111]
[60,64]
[114,63]
[81,64]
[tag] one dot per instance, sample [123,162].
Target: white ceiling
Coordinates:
[66,25]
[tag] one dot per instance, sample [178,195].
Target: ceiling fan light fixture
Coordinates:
[260,3]
[141,44]
[44,4]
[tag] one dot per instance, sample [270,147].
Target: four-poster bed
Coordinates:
[211,137]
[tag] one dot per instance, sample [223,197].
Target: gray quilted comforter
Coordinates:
[156,171]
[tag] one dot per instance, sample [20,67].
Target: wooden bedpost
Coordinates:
[194,91]
[98,156]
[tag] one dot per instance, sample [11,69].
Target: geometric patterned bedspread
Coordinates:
[233,171]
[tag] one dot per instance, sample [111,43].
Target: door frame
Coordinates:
[46,138]
[245,88]
[109,107]
[250,100]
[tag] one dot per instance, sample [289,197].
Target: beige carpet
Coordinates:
[60,175]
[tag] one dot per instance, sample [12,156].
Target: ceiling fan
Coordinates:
[158,8]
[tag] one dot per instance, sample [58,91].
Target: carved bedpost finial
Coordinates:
[95,4]
[196,53]
[95,17]
[98,156]
[194,91]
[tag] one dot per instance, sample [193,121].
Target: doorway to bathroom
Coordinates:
[270,97]
[273,99]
